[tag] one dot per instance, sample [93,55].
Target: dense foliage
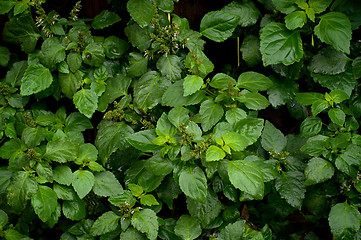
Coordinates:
[132,134]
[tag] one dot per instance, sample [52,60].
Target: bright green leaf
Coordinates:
[193,183]
[337,116]
[146,222]
[36,78]
[210,113]
[86,101]
[83,182]
[295,20]
[254,81]
[191,84]
[214,153]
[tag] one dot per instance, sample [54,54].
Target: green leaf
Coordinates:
[338,96]
[344,219]
[5,179]
[291,186]
[329,61]
[295,20]
[193,183]
[178,115]
[61,150]
[22,30]
[93,55]
[107,222]
[273,139]
[309,98]
[311,126]
[83,182]
[77,122]
[285,6]
[45,172]
[74,61]
[187,227]
[282,92]
[137,64]
[9,148]
[148,90]
[250,129]
[235,141]
[21,188]
[191,84]
[63,175]
[218,25]
[205,212]
[44,202]
[106,185]
[337,116]
[159,165]
[356,67]
[52,52]
[148,200]
[174,96]
[132,234]
[87,153]
[126,197]
[253,100]
[280,45]
[334,28]
[319,5]
[233,231]
[344,81]
[142,11]
[222,81]
[254,81]
[16,73]
[143,140]
[170,67]
[70,82]
[315,146]
[86,101]
[146,222]
[247,177]
[318,170]
[65,192]
[4,56]
[165,127]
[318,106]
[247,12]
[214,153]
[137,36]
[210,113]
[36,79]
[3,219]
[74,210]
[250,50]
[6,6]
[11,234]
[233,115]
[32,137]
[115,47]
[105,19]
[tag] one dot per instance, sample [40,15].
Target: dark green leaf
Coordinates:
[205,212]
[6,6]
[344,218]
[52,52]
[246,11]
[193,183]
[282,92]
[146,222]
[311,126]
[132,234]
[319,5]
[295,20]
[218,25]
[291,186]
[32,137]
[141,11]
[21,188]
[174,96]
[83,182]
[178,115]
[15,74]
[44,202]
[4,56]
[142,140]
[77,122]
[272,138]
[187,227]
[335,29]
[250,50]
[222,81]
[210,113]
[70,82]
[308,98]
[107,222]
[74,61]
[36,78]
[106,185]
[137,36]
[63,175]
[5,176]
[280,45]
[86,101]
[250,129]
[170,67]
[356,67]
[318,170]
[329,61]
[148,90]
[74,210]
[233,231]
[105,19]
[94,55]
[159,165]
[247,177]
[315,146]
[61,150]
[285,6]
[64,192]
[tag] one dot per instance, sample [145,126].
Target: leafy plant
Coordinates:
[136,136]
